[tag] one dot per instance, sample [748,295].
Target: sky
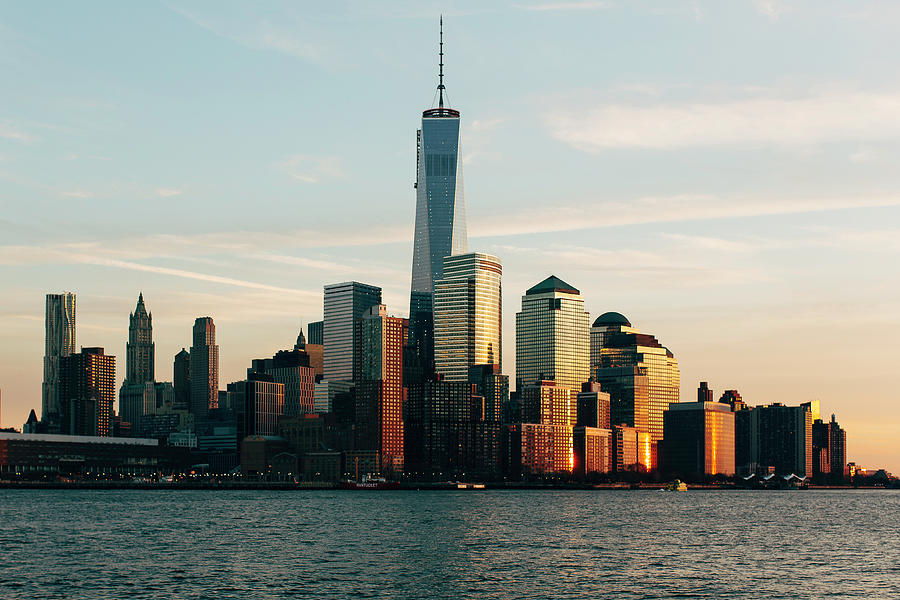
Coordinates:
[724,174]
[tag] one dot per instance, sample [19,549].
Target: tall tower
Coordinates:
[204,368]
[467,309]
[440,212]
[344,304]
[553,336]
[59,341]
[140,352]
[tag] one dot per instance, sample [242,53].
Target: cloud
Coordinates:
[10,132]
[825,117]
[78,194]
[310,169]
[661,209]
[566,6]
[302,261]
[168,192]
[772,9]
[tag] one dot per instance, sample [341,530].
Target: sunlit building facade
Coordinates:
[552,336]
[549,404]
[632,449]
[59,341]
[87,391]
[591,451]
[467,315]
[535,449]
[602,328]
[204,368]
[592,407]
[380,394]
[698,441]
[293,369]
[649,358]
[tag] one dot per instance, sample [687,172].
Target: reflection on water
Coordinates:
[494,544]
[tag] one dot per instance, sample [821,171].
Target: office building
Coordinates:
[204,368]
[59,341]
[592,407]
[467,315]
[345,303]
[629,395]
[538,450]
[257,402]
[440,226]
[549,404]
[647,357]
[828,451]
[182,379]
[87,381]
[380,394]
[552,336]
[632,449]
[315,333]
[493,386]
[704,394]
[784,439]
[591,451]
[140,352]
[698,440]
[293,369]
[838,450]
[604,326]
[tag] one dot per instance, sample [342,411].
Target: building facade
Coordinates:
[293,369]
[467,315]
[140,353]
[59,341]
[182,379]
[258,403]
[345,303]
[784,439]
[87,381]
[604,326]
[204,368]
[315,333]
[698,440]
[552,336]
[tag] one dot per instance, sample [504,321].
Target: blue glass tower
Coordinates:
[440,214]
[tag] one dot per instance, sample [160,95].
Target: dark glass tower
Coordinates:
[440,215]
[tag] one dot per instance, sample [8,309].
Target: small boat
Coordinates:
[676,486]
[369,482]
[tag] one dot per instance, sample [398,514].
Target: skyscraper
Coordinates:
[182,379]
[293,369]
[59,341]
[140,351]
[440,228]
[87,390]
[204,368]
[699,439]
[645,356]
[552,336]
[467,315]
[603,327]
[344,304]
[380,394]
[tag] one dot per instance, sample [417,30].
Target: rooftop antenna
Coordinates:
[441,73]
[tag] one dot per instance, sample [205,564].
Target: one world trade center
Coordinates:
[440,215]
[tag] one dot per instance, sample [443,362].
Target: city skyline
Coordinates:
[748,294]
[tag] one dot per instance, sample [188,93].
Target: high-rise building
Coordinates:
[315,332]
[783,443]
[698,440]
[604,326]
[592,407]
[631,449]
[493,386]
[257,402]
[536,449]
[293,369]
[345,303]
[140,351]
[87,390]
[838,450]
[549,404]
[204,368]
[467,315]
[380,394]
[828,450]
[182,380]
[647,357]
[59,341]
[591,451]
[552,336]
[704,394]
[440,228]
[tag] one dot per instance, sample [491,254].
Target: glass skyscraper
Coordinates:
[59,341]
[344,304]
[552,336]
[467,309]
[440,213]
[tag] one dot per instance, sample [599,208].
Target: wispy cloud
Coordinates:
[11,132]
[772,9]
[824,117]
[168,192]
[78,194]
[566,6]
[310,169]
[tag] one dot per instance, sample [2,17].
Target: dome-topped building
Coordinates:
[611,318]
[604,326]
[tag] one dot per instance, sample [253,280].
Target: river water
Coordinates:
[472,544]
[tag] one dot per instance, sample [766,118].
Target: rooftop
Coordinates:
[611,318]
[552,284]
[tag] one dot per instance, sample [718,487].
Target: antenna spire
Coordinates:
[441,63]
